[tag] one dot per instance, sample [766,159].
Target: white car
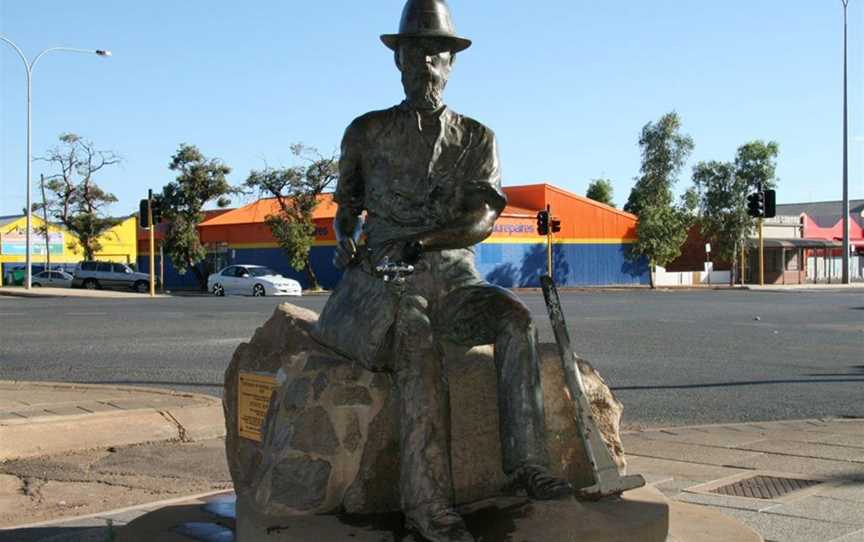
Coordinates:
[52,279]
[253,280]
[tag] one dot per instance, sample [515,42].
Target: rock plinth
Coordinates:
[330,439]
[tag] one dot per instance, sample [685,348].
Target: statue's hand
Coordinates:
[346,253]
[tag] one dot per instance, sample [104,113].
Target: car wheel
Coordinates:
[218,290]
[142,287]
[258,291]
[91,284]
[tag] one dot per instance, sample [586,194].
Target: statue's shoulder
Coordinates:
[369,123]
[471,126]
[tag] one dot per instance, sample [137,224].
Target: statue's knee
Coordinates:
[517,317]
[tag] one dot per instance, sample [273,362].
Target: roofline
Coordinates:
[577,196]
[839,201]
[590,201]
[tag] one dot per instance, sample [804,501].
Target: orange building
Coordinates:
[592,248]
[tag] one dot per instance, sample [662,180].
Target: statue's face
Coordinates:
[425,65]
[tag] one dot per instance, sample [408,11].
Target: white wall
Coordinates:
[690,278]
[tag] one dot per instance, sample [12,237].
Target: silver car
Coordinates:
[52,279]
[109,275]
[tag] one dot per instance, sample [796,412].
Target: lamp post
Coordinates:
[28,68]
[845,274]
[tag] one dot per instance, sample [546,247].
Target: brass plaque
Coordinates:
[253,399]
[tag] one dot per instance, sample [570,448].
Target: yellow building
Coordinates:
[119,244]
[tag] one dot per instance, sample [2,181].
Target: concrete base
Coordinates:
[643,515]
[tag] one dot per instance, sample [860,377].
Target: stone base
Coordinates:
[330,439]
[641,515]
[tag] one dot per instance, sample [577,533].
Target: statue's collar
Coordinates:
[425,113]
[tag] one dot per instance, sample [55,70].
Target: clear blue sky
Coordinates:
[566,85]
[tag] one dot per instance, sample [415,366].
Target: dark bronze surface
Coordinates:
[427,18]
[429,182]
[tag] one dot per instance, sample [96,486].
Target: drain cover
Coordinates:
[764,487]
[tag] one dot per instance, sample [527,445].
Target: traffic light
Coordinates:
[144,213]
[543,223]
[156,209]
[556,225]
[770,204]
[147,207]
[756,204]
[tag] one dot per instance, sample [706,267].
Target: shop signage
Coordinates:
[14,243]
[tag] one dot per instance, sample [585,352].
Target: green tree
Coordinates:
[723,189]
[723,218]
[199,181]
[663,225]
[296,190]
[73,198]
[756,163]
[601,190]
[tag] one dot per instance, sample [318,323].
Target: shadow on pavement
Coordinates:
[55,534]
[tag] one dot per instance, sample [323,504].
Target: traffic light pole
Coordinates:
[761,255]
[152,244]
[549,243]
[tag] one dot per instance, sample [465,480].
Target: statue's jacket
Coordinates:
[410,172]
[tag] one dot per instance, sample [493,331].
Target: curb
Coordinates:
[62,434]
[66,293]
[727,424]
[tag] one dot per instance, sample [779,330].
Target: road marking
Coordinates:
[86,313]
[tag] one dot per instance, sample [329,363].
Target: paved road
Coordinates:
[672,357]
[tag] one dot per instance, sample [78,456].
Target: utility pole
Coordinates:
[162,266]
[845,275]
[549,243]
[152,229]
[45,225]
[761,254]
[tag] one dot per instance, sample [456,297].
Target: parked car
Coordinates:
[52,279]
[252,280]
[109,275]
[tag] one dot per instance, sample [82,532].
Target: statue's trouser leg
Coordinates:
[489,314]
[424,412]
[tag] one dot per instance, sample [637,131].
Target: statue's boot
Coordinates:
[437,524]
[540,484]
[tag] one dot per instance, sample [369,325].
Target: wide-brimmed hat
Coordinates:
[427,19]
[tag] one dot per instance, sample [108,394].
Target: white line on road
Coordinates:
[86,313]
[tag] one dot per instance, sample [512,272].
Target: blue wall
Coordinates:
[520,265]
[507,265]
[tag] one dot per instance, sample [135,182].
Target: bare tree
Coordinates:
[76,201]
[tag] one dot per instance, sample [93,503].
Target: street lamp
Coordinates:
[28,68]
[845,274]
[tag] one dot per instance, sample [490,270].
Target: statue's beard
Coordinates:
[424,89]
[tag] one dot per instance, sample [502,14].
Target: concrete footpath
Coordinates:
[166,454]
[44,418]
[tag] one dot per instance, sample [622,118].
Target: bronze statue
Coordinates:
[429,182]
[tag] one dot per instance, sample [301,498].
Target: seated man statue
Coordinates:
[429,182]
